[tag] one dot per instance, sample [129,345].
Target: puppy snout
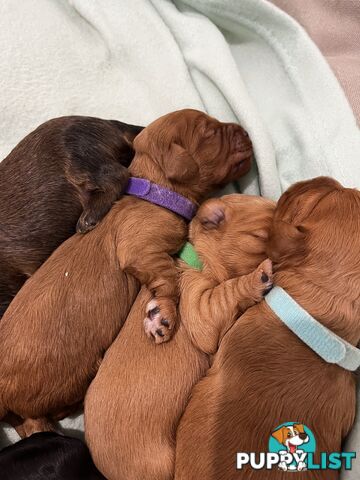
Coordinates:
[303,436]
[240,137]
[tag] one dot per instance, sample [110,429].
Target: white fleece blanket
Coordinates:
[242,61]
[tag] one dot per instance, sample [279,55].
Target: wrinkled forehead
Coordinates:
[182,122]
[248,208]
[243,201]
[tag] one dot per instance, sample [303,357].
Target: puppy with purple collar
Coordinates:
[55,332]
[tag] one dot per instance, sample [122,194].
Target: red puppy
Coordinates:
[263,375]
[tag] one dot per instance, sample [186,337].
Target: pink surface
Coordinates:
[334,25]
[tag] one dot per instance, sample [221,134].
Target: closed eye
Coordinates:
[210,133]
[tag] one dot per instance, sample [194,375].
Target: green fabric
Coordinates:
[189,256]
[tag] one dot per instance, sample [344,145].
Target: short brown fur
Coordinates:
[55,332]
[135,402]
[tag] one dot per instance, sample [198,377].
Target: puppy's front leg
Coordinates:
[158,272]
[209,310]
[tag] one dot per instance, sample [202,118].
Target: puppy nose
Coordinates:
[303,436]
[241,140]
[240,135]
[243,133]
[235,128]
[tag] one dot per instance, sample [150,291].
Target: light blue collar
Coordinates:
[324,342]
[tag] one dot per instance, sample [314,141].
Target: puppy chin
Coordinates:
[241,166]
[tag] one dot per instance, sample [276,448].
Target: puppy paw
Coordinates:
[263,280]
[87,222]
[160,319]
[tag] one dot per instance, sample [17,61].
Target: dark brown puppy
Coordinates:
[263,375]
[67,168]
[54,334]
[48,456]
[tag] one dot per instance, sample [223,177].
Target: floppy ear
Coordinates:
[179,166]
[279,435]
[288,231]
[286,241]
[296,204]
[212,214]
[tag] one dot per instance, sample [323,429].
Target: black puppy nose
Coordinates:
[303,436]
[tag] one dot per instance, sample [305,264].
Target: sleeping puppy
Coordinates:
[45,456]
[65,174]
[134,404]
[263,375]
[56,330]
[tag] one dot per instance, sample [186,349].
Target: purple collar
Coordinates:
[154,193]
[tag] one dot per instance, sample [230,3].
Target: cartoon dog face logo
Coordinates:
[291,436]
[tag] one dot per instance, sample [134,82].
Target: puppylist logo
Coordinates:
[292,442]
[292,447]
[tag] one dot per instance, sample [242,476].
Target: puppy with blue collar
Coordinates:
[291,357]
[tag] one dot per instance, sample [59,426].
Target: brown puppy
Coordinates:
[55,332]
[135,402]
[67,168]
[263,375]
